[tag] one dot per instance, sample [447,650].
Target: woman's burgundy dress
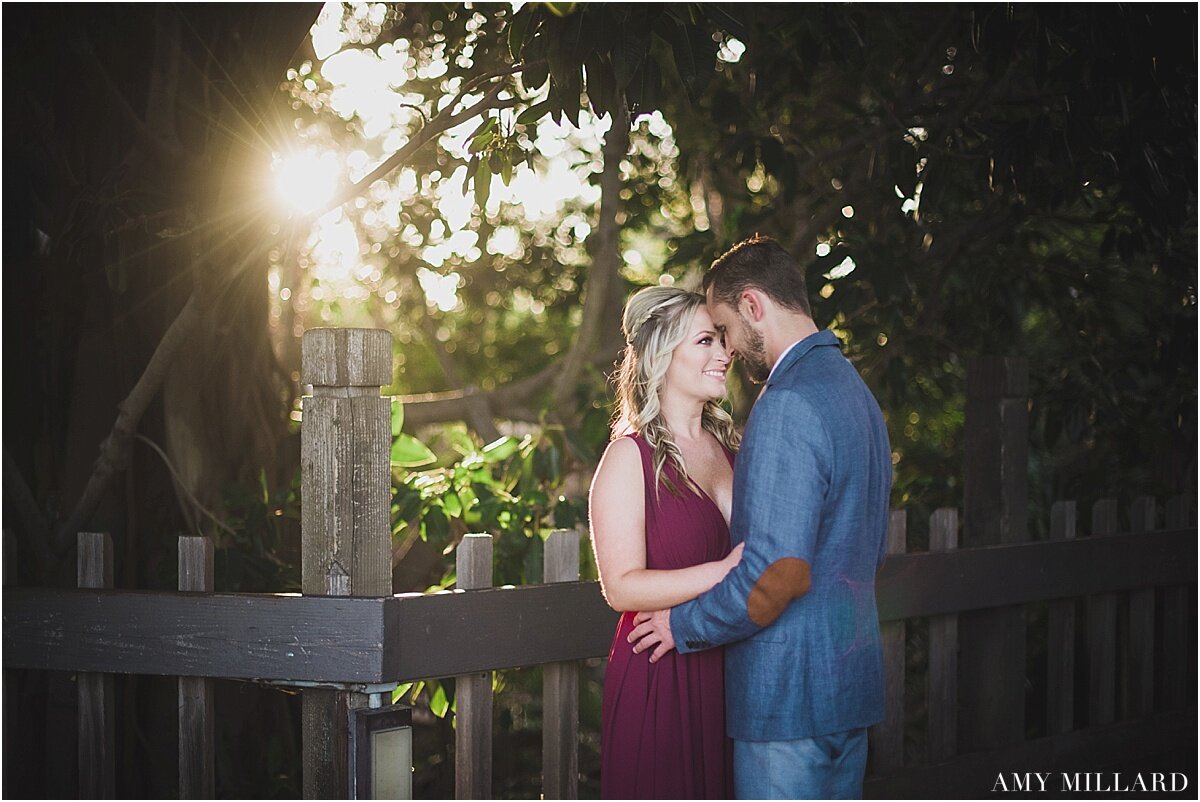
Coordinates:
[663,725]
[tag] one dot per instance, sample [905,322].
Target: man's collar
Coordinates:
[798,349]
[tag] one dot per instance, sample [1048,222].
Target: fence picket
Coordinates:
[886,739]
[943,652]
[1101,612]
[473,692]
[96,694]
[197,749]
[1137,687]
[560,686]
[1060,638]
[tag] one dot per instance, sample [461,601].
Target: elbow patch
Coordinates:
[784,580]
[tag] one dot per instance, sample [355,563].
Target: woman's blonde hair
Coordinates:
[655,322]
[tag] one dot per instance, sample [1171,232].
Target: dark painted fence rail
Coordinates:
[381,640]
[356,641]
[1114,613]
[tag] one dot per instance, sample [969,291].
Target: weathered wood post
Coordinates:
[473,692]
[345,536]
[197,745]
[886,739]
[97,698]
[995,501]
[560,685]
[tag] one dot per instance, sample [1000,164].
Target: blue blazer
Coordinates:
[811,481]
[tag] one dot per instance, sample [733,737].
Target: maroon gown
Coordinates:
[663,725]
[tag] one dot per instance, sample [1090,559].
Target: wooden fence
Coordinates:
[1127,598]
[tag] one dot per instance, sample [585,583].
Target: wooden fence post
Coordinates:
[886,739]
[97,698]
[1060,637]
[197,749]
[560,686]
[345,530]
[10,684]
[995,511]
[473,692]
[1137,676]
[942,680]
[1101,617]
[1178,647]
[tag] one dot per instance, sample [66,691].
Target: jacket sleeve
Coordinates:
[781,481]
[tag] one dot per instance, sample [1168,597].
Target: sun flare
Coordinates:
[307,179]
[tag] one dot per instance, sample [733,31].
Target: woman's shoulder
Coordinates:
[625,449]
[620,466]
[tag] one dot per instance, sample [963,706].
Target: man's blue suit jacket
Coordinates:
[811,481]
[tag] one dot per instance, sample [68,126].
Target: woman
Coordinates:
[659,508]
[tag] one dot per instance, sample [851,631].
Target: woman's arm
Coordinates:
[617,509]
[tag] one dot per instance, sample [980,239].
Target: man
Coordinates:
[803,666]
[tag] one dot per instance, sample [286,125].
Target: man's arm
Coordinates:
[781,481]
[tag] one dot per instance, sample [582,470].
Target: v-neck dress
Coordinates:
[663,724]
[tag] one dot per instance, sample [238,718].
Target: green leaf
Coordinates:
[519,31]
[547,464]
[506,169]
[409,452]
[695,55]
[484,136]
[452,504]
[537,69]
[535,113]
[483,186]
[561,9]
[645,89]
[397,417]
[439,705]
[435,526]
[631,49]
[500,449]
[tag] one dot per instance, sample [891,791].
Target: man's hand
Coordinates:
[652,630]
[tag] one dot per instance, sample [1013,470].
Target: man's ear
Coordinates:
[750,303]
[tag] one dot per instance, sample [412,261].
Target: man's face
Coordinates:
[742,340]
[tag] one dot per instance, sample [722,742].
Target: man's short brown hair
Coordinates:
[762,263]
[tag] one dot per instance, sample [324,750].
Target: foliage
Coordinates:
[513,489]
[251,550]
[978,179]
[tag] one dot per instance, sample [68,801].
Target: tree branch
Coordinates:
[509,401]
[440,123]
[114,452]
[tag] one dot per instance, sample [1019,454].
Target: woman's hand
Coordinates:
[732,558]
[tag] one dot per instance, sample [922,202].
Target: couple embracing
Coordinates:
[747,659]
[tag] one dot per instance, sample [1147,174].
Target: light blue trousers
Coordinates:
[824,767]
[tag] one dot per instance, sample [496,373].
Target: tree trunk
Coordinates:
[135,168]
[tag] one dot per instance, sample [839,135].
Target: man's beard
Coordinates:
[754,354]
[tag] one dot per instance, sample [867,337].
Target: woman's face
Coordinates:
[700,362]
